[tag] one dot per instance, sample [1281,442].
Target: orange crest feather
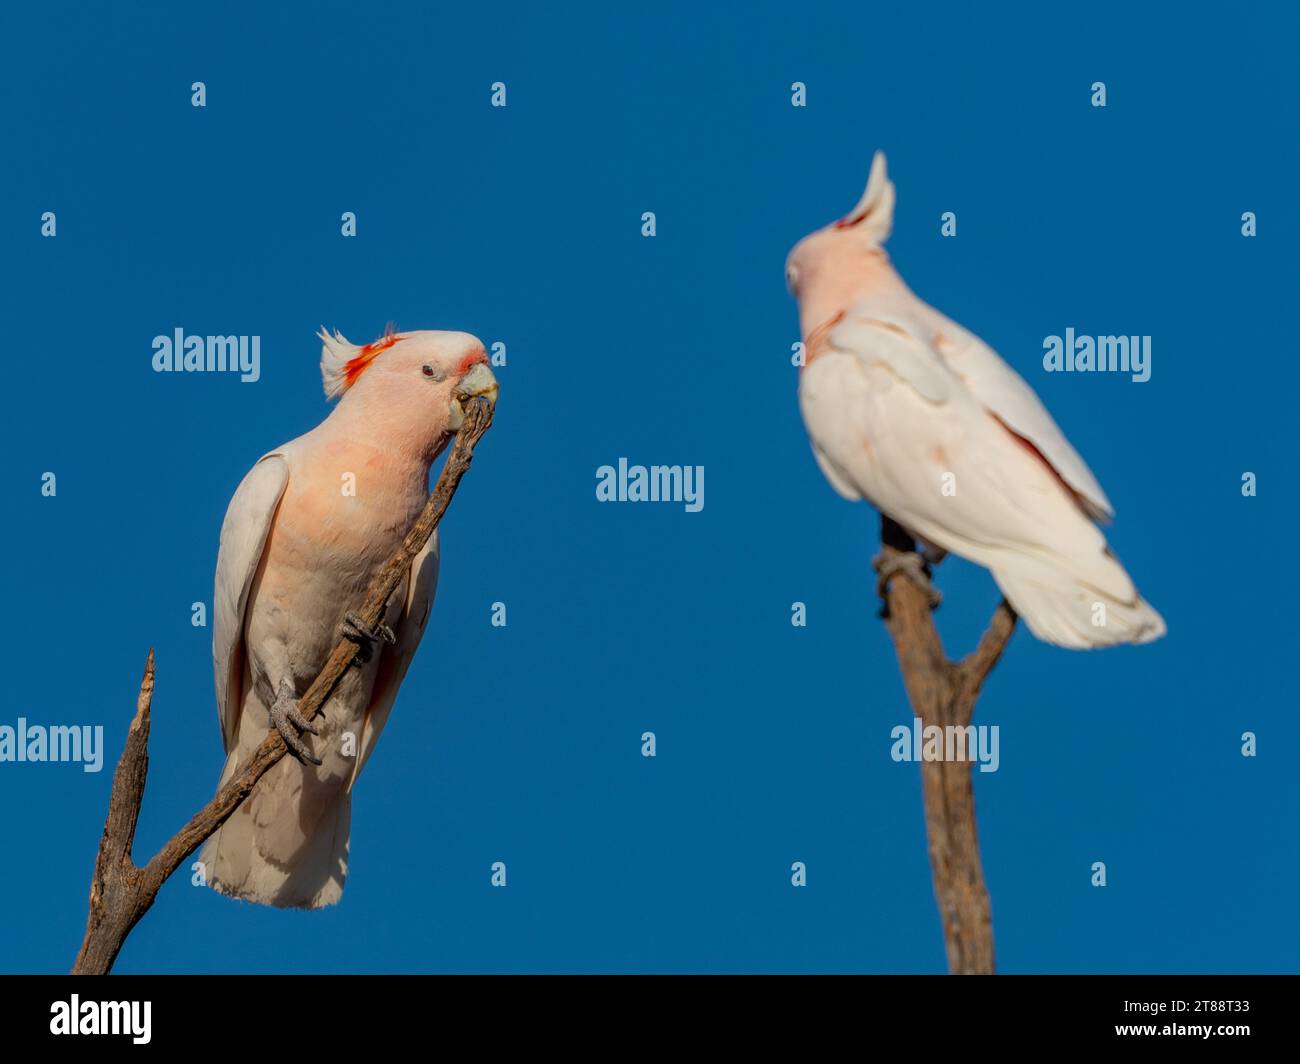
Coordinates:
[357,366]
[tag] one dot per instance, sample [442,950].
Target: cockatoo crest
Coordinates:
[341,362]
[873,217]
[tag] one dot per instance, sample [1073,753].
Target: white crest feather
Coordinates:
[335,353]
[873,217]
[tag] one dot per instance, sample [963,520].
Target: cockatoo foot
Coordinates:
[290,723]
[909,564]
[365,636]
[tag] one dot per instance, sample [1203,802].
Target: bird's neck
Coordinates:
[840,284]
[409,446]
[836,288]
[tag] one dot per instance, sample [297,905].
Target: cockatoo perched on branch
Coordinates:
[306,530]
[901,402]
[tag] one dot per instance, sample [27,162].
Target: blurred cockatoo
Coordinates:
[901,403]
[305,532]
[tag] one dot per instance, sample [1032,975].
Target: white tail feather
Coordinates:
[287,843]
[1072,615]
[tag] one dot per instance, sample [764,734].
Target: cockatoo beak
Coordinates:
[478,382]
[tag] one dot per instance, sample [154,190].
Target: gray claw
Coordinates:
[908,564]
[299,721]
[365,636]
[289,721]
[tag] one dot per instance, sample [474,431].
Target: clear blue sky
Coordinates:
[523,225]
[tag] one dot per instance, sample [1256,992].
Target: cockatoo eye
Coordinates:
[432,372]
[791,278]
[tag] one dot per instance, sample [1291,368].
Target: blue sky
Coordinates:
[522,225]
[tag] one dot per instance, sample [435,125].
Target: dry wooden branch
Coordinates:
[943,693]
[120,892]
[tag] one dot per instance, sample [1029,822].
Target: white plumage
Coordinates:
[901,403]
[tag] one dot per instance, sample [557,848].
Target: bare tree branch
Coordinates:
[976,665]
[942,693]
[120,892]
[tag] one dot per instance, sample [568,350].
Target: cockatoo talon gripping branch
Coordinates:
[366,636]
[325,537]
[910,411]
[914,567]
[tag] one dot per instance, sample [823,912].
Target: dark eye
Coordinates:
[430,372]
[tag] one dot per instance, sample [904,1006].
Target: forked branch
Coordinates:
[943,693]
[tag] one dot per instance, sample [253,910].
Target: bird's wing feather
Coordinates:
[408,627]
[244,532]
[1004,393]
[892,419]
[923,341]
[878,337]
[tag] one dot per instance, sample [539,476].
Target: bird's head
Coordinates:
[414,381]
[831,254]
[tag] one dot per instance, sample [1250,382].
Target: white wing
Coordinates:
[892,418]
[408,626]
[1004,393]
[244,532]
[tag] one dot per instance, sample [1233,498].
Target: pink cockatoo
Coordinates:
[907,409]
[306,530]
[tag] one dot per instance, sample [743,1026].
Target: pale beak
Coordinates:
[478,382]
